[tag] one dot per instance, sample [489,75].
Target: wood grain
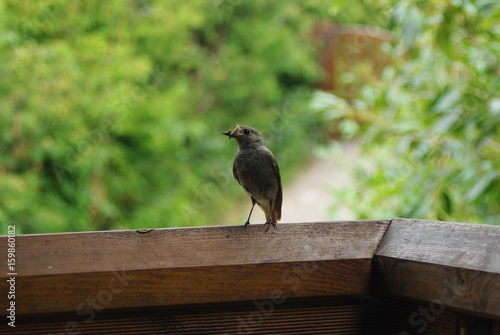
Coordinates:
[473,292]
[81,272]
[302,319]
[468,246]
[452,264]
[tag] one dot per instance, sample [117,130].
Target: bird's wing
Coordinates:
[235,173]
[279,196]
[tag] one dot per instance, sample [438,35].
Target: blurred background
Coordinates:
[111,112]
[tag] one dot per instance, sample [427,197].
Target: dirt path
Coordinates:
[310,196]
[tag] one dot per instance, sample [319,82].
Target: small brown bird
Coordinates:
[257,171]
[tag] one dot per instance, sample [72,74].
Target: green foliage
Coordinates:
[112,112]
[430,127]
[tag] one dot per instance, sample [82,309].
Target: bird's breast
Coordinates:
[256,173]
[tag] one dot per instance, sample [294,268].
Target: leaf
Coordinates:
[494,106]
[410,19]
[349,129]
[331,105]
[421,208]
[446,203]
[447,100]
[481,185]
[443,37]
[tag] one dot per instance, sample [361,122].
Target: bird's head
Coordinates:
[245,136]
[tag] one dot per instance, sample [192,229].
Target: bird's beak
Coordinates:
[235,132]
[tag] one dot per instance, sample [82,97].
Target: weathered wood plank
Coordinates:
[85,272]
[471,291]
[468,246]
[86,294]
[449,264]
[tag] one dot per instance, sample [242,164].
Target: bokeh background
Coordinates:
[111,112]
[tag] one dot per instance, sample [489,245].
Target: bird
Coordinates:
[257,171]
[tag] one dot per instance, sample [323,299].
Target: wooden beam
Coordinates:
[443,263]
[89,272]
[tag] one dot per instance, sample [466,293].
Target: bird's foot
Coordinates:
[269,224]
[247,223]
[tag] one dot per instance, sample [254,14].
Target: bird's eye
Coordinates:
[246,131]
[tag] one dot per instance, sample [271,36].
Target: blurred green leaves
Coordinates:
[112,112]
[430,128]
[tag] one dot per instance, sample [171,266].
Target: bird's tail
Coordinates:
[275,210]
[277,205]
[276,214]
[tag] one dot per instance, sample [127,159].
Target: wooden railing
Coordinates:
[358,277]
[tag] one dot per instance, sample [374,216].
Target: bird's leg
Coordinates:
[270,222]
[249,215]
